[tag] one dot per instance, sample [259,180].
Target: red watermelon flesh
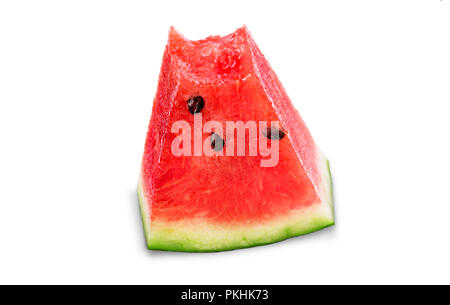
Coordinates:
[213,203]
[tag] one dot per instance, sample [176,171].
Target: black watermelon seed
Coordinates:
[274,133]
[195,104]
[217,142]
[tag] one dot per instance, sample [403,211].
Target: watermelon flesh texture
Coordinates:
[214,203]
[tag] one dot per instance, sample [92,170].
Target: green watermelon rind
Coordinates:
[185,240]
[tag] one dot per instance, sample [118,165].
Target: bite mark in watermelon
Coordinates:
[214,203]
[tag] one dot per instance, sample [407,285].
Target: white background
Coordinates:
[77,79]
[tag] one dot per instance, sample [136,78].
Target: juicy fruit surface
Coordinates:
[230,197]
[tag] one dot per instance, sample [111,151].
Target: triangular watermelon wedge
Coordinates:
[197,202]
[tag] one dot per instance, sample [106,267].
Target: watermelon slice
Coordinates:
[198,202]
